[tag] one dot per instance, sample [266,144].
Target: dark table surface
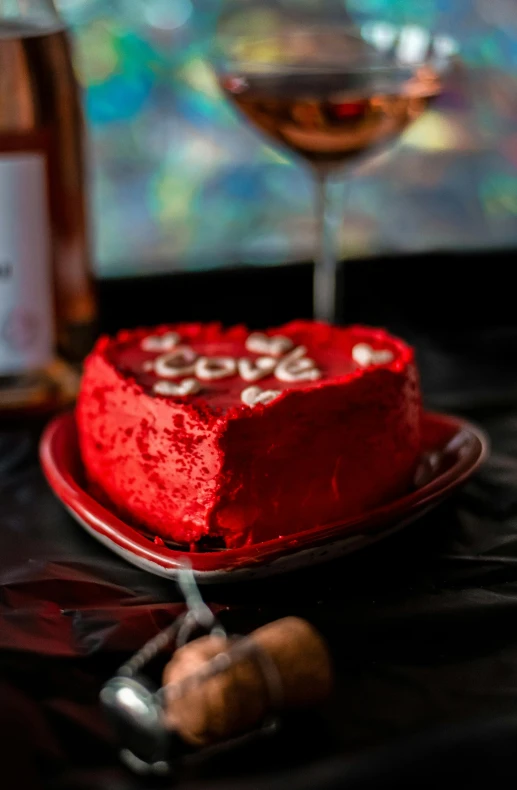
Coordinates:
[422,628]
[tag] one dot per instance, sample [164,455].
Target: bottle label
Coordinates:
[26,315]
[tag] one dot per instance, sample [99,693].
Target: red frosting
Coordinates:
[206,465]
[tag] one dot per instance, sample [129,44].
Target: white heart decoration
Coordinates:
[252,396]
[255,369]
[383,357]
[179,362]
[212,368]
[365,355]
[185,387]
[165,342]
[259,343]
[297,367]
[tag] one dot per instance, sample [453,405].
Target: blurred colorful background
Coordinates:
[180,183]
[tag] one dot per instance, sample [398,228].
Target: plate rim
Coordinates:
[271,556]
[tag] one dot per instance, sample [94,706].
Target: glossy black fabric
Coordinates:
[422,627]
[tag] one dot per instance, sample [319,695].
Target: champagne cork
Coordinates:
[285,664]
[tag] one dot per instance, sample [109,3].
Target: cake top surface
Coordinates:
[224,369]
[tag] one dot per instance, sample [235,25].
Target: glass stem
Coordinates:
[325,269]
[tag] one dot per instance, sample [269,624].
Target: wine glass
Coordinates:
[329,87]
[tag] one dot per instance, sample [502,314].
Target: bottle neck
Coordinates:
[38,12]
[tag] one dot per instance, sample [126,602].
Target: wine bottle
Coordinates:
[47,298]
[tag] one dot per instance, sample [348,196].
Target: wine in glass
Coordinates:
[331,93]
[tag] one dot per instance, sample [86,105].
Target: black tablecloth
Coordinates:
[422,628]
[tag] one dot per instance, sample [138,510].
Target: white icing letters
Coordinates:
[179,362]
[276,355]
[255,369]
[212,368]
[297,367]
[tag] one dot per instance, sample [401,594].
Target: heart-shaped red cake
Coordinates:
[196,431]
